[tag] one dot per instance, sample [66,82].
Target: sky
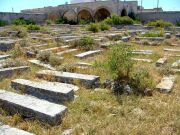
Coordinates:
[18,5]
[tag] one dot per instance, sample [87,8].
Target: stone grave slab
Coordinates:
[161,61]
[7,130]
[157,39]
[42,64]
[171,50]
[29,106]
[6,45]
[51,91]
[66,51]
[67,77]
[87,54]
[126,39]
[7,72]
[142,52]
[176,64]
[142,60]
[3,57]
[166,84]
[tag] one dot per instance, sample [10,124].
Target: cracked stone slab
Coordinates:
[88,54]
[166,84]
[171,50]
[51,91]
[6,45]
[29,106]
[7,130]
[67,77]
[67,51]
[42,64]
[161,61]
[3,57]
[7,72]
[142,60]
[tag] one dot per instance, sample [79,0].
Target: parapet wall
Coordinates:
[170,16]
[38,18]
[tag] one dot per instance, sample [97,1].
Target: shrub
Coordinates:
[86,43]
[44,56]
[141,79]
[17,51]
[22,21]
[104,26]
[94,27]
[33,27]
[48,22]
[55,60]
[83,22]
[178,24]
[3,23]
[119,62]
[154,33]
[117,20]
[160,23]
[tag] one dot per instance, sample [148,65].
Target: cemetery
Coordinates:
[114,76]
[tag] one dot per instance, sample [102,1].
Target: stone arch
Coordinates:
[70,15]
[102,13]
[84,14]
[124,12]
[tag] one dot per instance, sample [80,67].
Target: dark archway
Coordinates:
[124,12]
[84,15]
[70,15]
[101,14]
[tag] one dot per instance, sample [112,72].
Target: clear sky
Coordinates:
[17,5]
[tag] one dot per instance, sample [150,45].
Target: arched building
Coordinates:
[97,10]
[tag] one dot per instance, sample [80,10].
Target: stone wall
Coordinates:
[170,16]
[38,18]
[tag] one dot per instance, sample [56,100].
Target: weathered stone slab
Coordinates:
[3,57]
[29,106]
[67,77]
[7,72]
[176,64]
[66,51]
[172,50]
[6,45]
[83,65]
[42,64]
[88,54]
[166,84]
[167,35]
[172,55]
[177,35]
[7,130]
[50,49]
[142,52]
[161,61]
[157,39]
[51,91]
[142,60]
[126,39]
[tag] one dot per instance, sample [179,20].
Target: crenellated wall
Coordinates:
[38,18]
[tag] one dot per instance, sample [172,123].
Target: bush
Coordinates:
[178,24]
[160,23]
[83,22]
[48,22]
[104,26]
[154,34]
[55,60]
[141,80]
[33,27]
[17,51]
[119,62]
[44,56]
[85,43]
[22,21]
[3,23]
[48,57]
[94,27]
[117,20]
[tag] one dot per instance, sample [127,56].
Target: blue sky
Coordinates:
[17,5]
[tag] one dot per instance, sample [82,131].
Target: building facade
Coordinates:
[97,10]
